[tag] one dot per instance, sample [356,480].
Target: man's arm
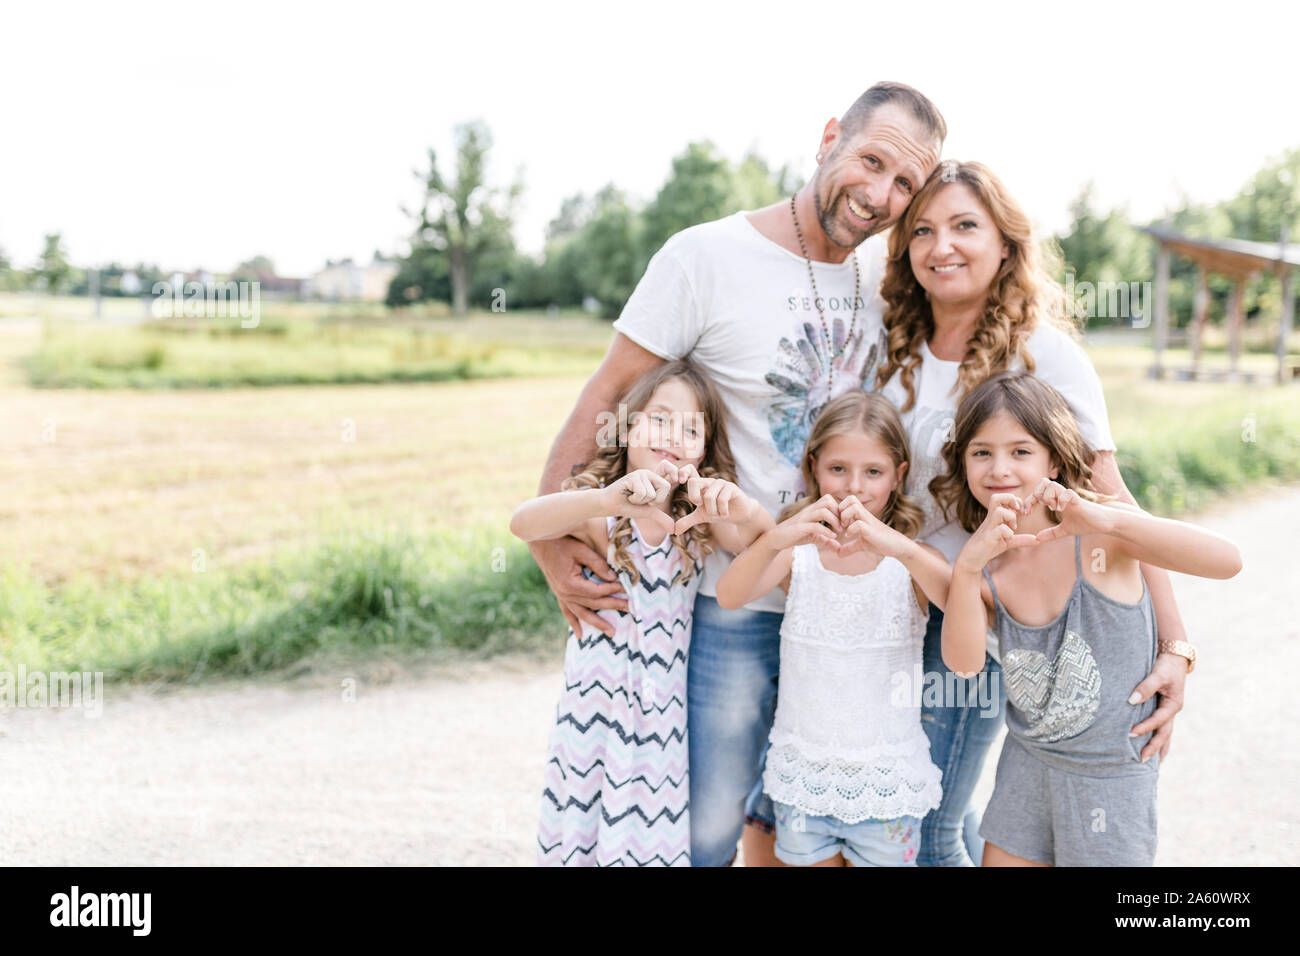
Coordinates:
[561,560]
[1169,674]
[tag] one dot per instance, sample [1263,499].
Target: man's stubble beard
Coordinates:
[830,224]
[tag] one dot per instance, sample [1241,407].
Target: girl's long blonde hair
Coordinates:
[867,413]
[610,462]
[1043,412]
[1022,294]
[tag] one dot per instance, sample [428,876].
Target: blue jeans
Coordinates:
[730,705]
[960,736]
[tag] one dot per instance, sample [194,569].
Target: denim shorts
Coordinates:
[802,840]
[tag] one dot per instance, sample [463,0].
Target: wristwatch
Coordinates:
[1182,649]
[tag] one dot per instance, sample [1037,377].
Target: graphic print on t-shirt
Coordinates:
[801,379]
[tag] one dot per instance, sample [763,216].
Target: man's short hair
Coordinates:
[916,102]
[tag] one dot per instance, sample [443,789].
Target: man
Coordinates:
[782,315]
[780,307]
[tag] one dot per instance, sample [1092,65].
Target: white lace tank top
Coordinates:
[847,741]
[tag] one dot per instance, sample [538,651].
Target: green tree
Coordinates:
[462,219]
[54,270]
[608,252]
[1271,198]
[699,188]
[755,184]
[253,270]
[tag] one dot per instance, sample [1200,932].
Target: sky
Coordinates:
[201,135]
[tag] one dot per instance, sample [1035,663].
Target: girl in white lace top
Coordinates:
[848,766]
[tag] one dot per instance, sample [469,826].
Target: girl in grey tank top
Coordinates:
[1071,788]
[1068,681]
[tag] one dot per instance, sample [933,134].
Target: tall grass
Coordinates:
[355,595]
[1181,446]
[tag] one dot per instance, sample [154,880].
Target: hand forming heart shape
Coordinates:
[714,498]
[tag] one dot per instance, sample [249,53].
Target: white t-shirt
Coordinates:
[741,306]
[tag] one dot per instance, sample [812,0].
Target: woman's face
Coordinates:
[955,249]
[671,427]
[1003,457]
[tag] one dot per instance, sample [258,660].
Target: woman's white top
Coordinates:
[847,741]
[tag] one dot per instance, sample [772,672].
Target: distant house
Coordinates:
[348,281]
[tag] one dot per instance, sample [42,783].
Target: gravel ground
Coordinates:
[443,765]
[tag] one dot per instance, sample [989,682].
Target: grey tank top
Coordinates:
[1068,681]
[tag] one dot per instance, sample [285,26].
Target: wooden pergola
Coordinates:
[1239,260]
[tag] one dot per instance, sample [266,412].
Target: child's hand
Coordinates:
[997,534]
[806,526]
[862,529]
[1078,516]
[715,499]
[638,494]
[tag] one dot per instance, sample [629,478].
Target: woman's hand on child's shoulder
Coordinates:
[1078,515]
[809,525]
[997,534]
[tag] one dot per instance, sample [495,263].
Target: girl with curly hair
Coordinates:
[658,497]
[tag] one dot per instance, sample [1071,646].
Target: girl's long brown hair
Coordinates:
[871,414]
[1043,412]
[1022,294]
[610,462]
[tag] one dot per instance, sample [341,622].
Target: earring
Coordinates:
[819,157]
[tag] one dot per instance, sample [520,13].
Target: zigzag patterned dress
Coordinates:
[616,787]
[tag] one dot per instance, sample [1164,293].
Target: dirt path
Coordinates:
[444,768]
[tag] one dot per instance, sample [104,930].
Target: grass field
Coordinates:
[172,535]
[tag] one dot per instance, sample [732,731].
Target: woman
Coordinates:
[968,296]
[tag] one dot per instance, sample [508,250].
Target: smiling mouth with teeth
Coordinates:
[950,268]
[858,211]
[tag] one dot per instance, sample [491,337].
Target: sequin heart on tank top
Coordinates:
[1058,698]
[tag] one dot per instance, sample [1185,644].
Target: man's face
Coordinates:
[865,182]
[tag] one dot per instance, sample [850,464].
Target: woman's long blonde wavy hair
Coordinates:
[610,462]
[1022,295]
[871,414]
